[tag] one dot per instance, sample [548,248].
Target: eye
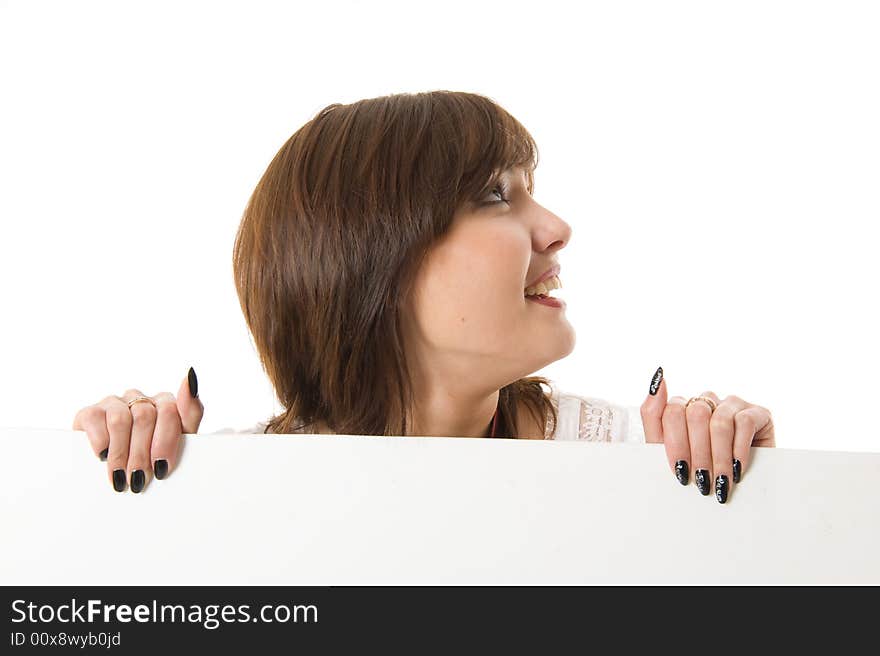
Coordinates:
[501,189]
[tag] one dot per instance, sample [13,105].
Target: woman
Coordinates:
[395,272]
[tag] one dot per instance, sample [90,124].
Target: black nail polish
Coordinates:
[701,477]
[160,469]
[119,480]
[722,485]
[193,383]
[681,471]
[103,454]
[137,480]
[737,470]
[655,381]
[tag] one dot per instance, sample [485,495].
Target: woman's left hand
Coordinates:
[714,445]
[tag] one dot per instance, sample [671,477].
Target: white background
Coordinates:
[718,163]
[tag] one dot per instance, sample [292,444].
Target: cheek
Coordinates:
[473,295]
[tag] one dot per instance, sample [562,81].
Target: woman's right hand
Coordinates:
[140,441]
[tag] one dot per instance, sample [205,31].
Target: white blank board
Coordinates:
[337,510]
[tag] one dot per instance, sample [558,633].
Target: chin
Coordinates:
[567,343]
[553,351]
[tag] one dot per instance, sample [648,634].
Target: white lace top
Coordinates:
[580,418]
[593,419]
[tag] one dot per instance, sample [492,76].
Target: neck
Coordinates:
[453,415]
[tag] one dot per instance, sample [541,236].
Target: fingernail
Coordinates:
[701,477]
[737,470]
[119,480]
[681,471]
[193,383]
[160,468]
[137,480]
[103,454]
[655,381]
[722,484]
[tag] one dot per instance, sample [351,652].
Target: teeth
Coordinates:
[544,287]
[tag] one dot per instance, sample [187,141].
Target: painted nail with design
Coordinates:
[701,478]
[737,470]
[655,381]
[722,487]
[681,471]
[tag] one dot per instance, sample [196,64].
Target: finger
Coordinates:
[118,419]
[675,438]
[766,434]
[748,422]
[697,417]
[189,406]
[93,421]
[737,404]
[712,395]
[166,437]
[143,416]
[721,444]
[652,408]
[721,431]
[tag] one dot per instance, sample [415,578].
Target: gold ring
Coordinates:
[711,403]
[141,398]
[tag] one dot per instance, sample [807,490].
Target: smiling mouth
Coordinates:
[543,289]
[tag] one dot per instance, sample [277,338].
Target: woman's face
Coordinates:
[472,321]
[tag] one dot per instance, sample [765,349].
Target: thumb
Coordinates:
[189,406]
[653,407]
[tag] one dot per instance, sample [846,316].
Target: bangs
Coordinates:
[486,142]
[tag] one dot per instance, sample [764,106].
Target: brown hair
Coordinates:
[333,235]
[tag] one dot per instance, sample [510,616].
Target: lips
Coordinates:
[549,273]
